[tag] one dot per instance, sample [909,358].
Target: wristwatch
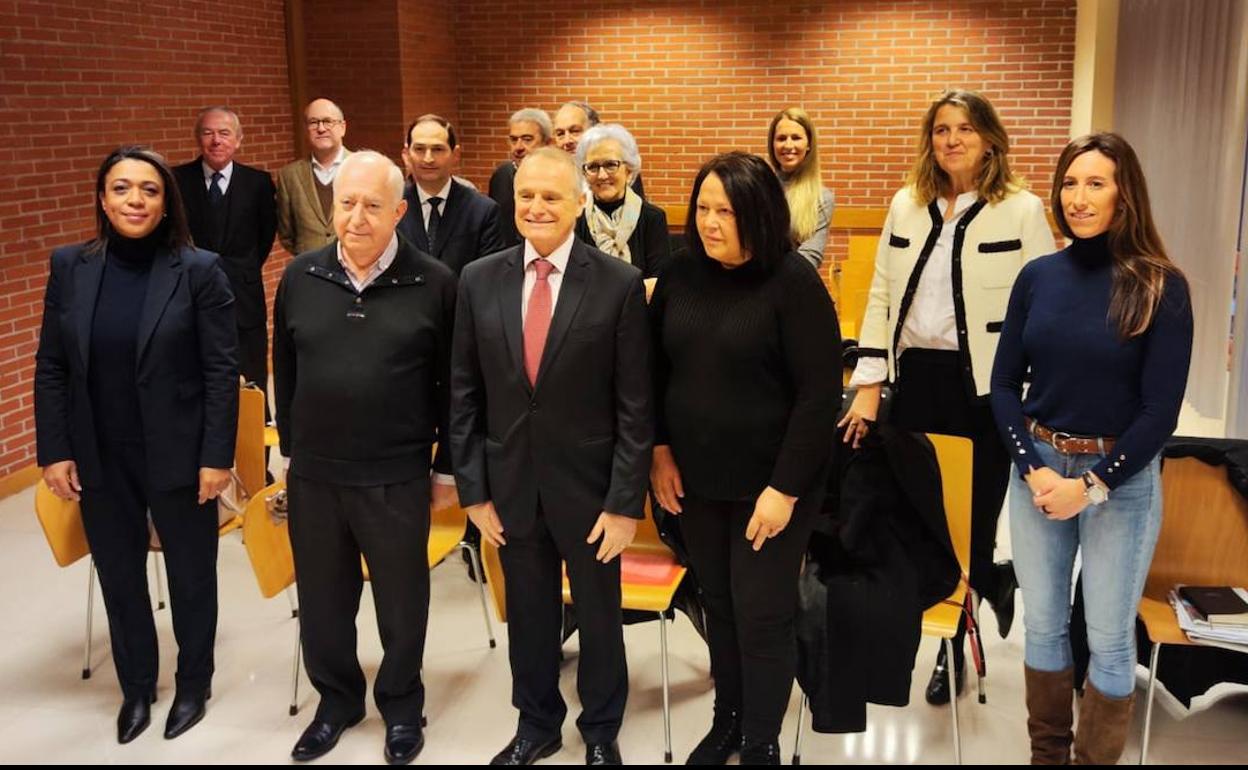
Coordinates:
[1095,491]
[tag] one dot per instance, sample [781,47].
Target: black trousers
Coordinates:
[531,567]
[115,519]
[930,396]
[253,364]
[330,527]
[751,604]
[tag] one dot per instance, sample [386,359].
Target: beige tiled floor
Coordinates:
[49,714]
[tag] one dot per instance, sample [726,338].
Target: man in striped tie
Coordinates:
[551,434]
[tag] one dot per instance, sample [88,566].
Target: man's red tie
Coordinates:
[537,322]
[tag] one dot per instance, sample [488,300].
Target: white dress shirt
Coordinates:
[327,173]
[226,173]
[426,207]
[558,258]
[930,322]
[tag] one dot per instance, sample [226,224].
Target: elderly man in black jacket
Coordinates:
[362,333]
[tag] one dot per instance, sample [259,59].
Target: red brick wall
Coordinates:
[429,62]
[694,77]
[78,78]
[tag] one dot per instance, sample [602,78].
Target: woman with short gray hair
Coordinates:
[616,219]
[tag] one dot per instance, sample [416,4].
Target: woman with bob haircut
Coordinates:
[747,372]
[955,237]
[1105,328]
[794,155]
[136,407]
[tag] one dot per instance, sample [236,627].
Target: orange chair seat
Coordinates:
[942,619]
[649,577]
[1162,625]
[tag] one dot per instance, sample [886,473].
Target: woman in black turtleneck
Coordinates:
[748,382]
[618,221]
[1104,327]
[136,407]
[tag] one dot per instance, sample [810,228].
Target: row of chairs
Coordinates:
[1208,554]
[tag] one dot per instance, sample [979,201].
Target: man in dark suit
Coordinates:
[231,211]
[361,361]
[552,432]
[527,130]
[444,218]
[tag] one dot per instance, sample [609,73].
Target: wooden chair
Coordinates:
[649,577]
[1203,541]
[954,456]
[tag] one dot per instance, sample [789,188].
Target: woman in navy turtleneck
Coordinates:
[1105,327]
[136,407]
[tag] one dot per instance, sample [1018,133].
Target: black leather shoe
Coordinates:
[134,717]
[319,738]
[188,708]
[403,743]
[525,751]
[718,746]
[938,686]
[1002,599]
[603,754]
[760,752]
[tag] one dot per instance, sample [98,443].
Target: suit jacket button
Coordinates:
[532,406]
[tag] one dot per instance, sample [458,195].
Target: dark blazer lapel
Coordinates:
[420,238]
[452,215]
[88,272]
[571,290]
[510,293]
[166,272]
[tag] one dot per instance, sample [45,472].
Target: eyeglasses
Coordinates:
[610,166]
[316,123]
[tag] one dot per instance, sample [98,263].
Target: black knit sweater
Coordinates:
[747,375]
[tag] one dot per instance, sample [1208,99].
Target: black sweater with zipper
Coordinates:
[362,379]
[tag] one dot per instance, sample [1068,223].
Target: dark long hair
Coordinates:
[172,232]
[1141,265]
[757,199]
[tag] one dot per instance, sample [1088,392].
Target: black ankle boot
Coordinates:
[760,752]
[1002,599]
[721,742]
[938,687]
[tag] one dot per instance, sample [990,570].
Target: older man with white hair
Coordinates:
[362,334]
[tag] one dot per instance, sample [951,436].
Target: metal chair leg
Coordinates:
[476,570]
[801,729]
[158,564]
[953,703]
[86,649]
[981,671]
[294,678]
[667,708]
[290,597]
[1148,709]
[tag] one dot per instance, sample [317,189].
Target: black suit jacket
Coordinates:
[247,232]
[580,441]
[468,231]
[187,367]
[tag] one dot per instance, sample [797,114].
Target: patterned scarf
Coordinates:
[612,231]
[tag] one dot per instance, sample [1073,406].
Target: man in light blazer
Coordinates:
[231,211]
[305,194]
[551,436]
[444,218]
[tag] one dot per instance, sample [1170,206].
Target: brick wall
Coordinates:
[689,78]
[78,78]
[695,77]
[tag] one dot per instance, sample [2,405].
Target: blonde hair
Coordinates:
[803,188]
[928,181]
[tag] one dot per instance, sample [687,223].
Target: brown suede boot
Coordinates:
[1103,725]
[1049,715]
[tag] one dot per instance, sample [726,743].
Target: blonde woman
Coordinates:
[955,238]
[795,158]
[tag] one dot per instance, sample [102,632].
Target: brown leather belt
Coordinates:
[1068,444]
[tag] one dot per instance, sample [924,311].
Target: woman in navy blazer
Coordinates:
[136,407]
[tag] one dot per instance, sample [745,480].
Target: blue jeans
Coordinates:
[1117,540]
